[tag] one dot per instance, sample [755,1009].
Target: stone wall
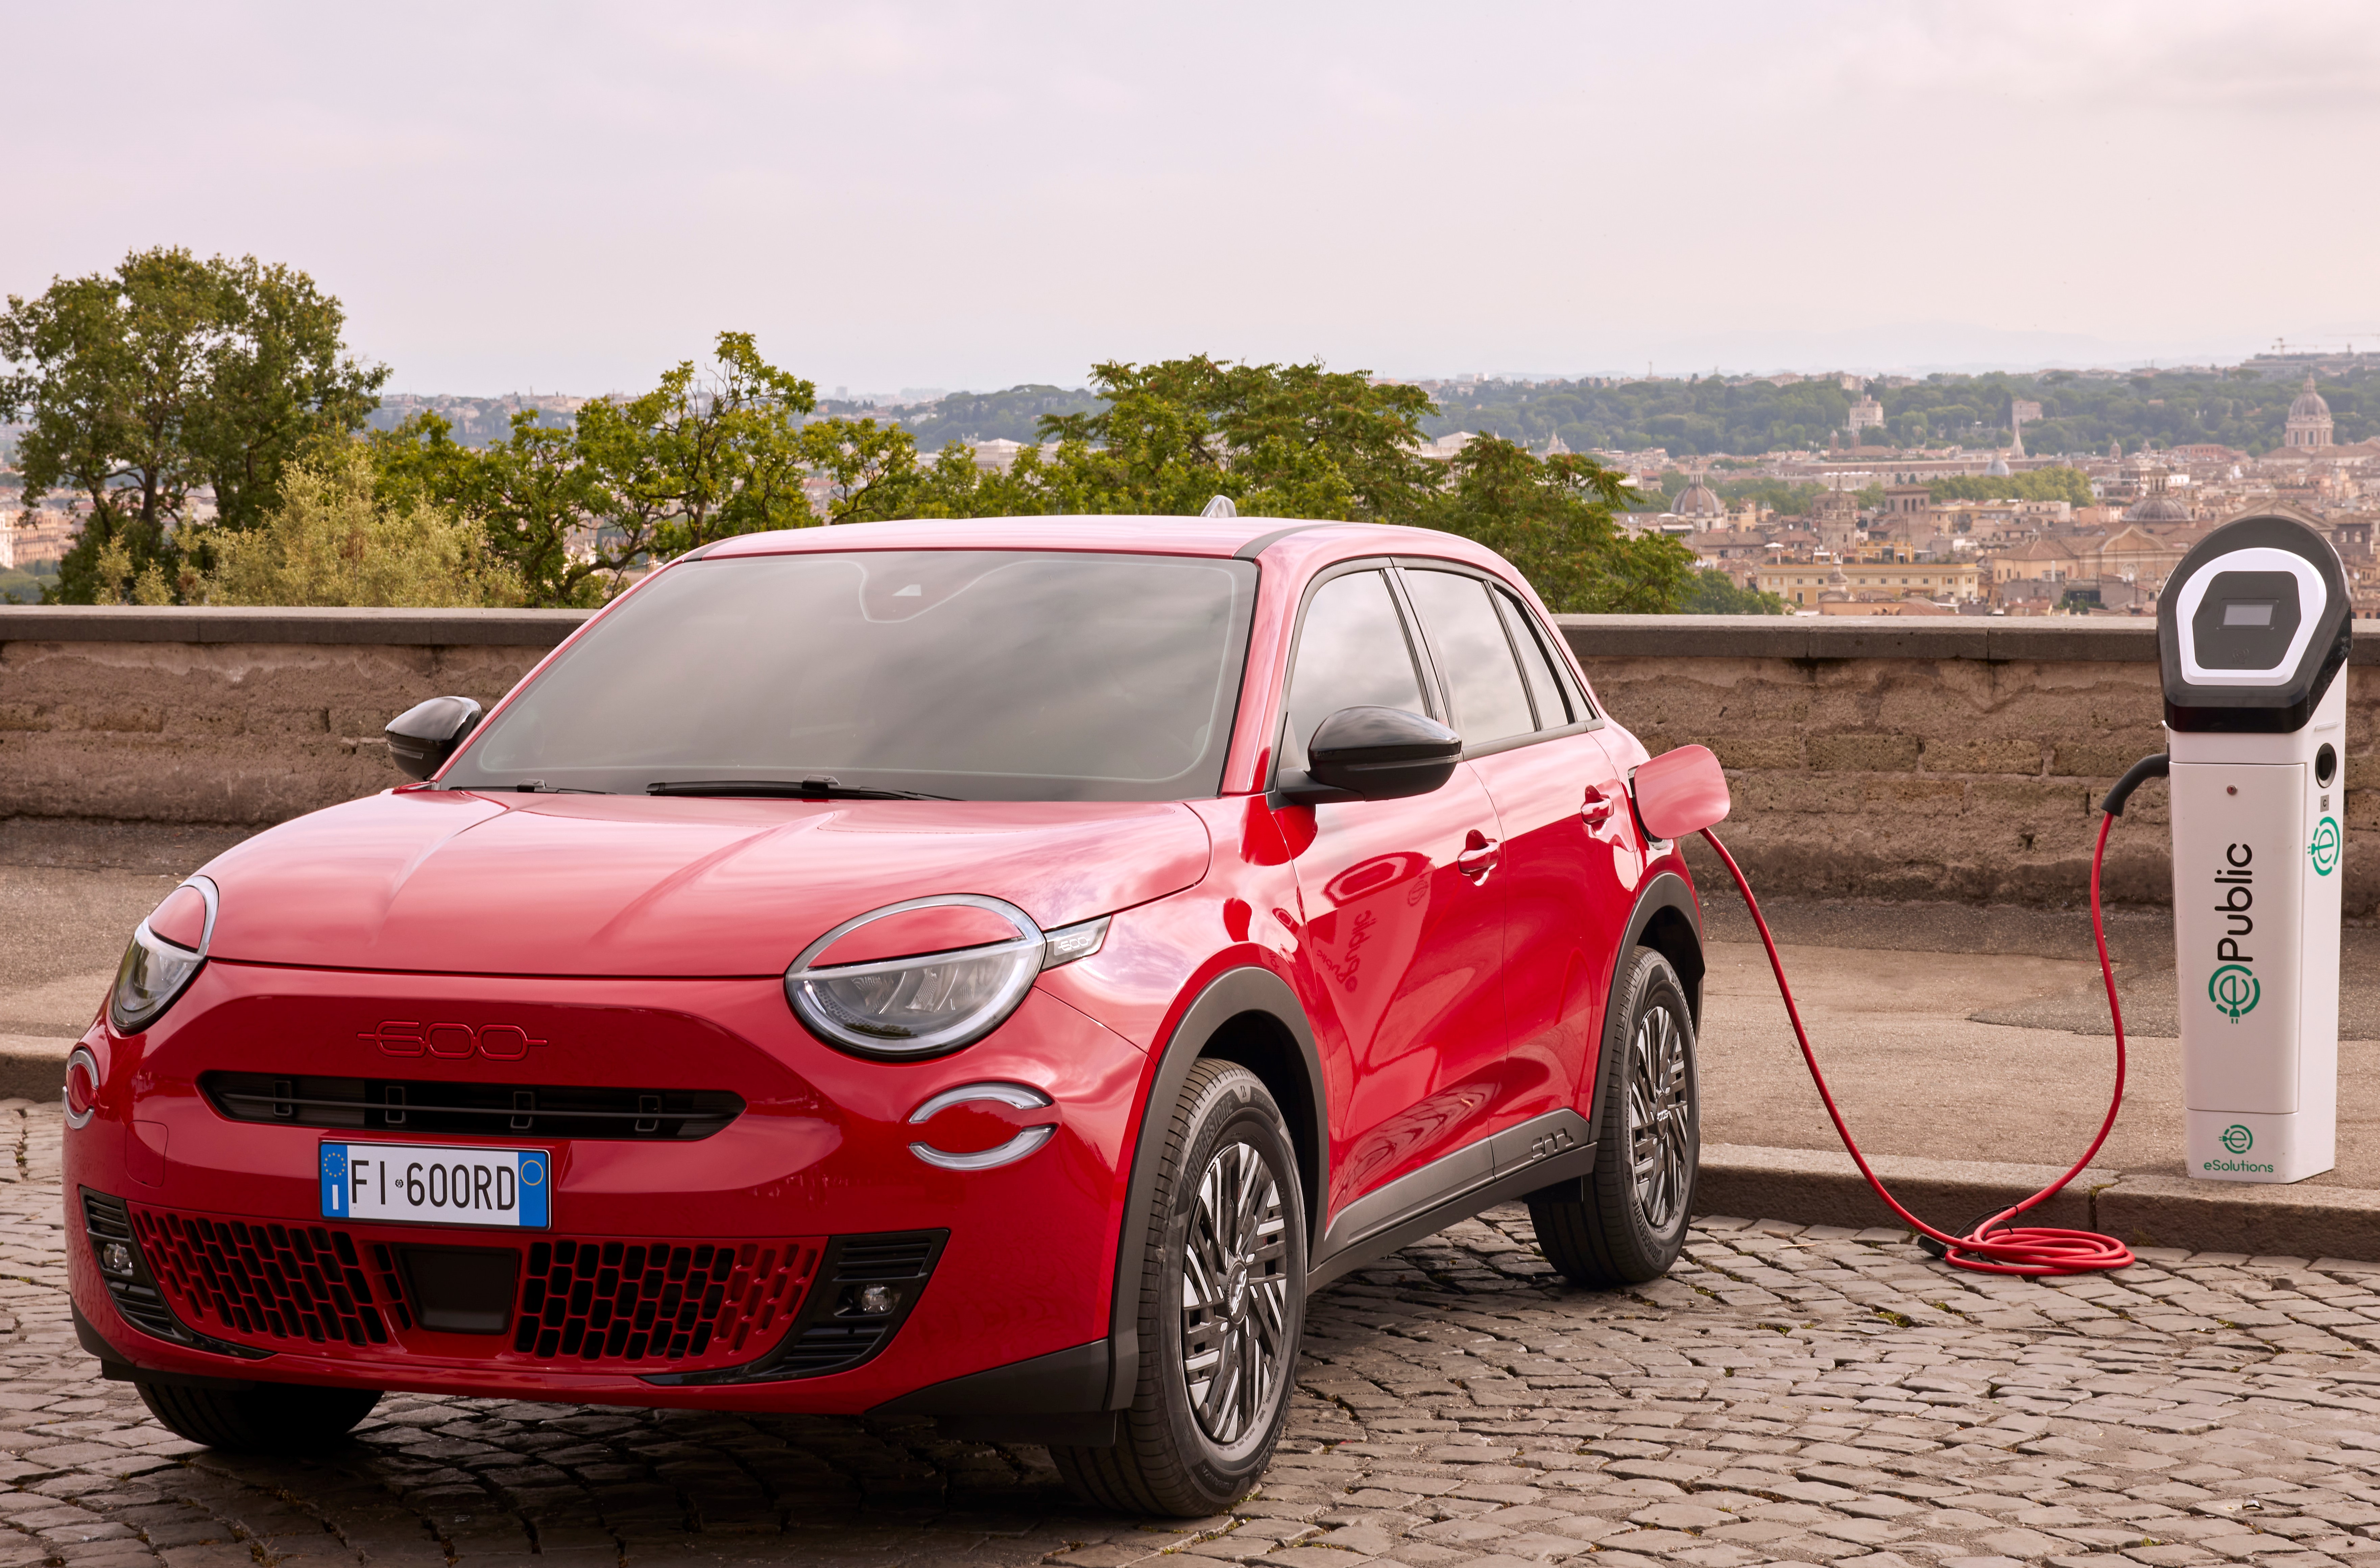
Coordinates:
[236,718]
[1890,758]
[1931,758]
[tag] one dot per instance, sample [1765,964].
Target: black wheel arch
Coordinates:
[1248,1016]
[1667,919]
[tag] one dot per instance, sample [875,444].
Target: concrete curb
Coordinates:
[1822,1187]
[32,1067]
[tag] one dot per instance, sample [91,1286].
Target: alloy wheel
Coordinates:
[1234,1294]
[1660,1116]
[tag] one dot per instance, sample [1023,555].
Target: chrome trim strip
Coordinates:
[1016,1148]
[1020,1096]
[65,1094]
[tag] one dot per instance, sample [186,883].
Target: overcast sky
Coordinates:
[571,197]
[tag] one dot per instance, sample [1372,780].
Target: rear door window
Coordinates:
[1491,699]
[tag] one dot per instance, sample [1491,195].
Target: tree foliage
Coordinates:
[707,455]
[168,376]
[1553,518]
[1715,593]
[333,542]
[2057,482]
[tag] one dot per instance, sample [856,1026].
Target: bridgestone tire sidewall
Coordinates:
[1651,982]
[1232,1107]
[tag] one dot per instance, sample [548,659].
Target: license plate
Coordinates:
[429,1185]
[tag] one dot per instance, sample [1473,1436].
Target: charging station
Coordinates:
[2252,637]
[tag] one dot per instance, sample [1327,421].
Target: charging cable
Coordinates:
[1993,1245]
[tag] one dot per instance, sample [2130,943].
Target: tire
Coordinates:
[1631,1222]
[265,1419]
[1191,1444]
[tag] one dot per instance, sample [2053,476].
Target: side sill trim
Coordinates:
[1529,1150]
[1578,1162]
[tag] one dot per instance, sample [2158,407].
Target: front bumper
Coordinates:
[801,1258]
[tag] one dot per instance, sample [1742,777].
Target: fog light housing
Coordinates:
[115,1258]
[872,1300]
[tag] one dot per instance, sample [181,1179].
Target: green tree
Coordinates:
[707,454]
[1716,594]
[168,376]
[333,542]
[1553,518]
[1280,441]
[2058,483]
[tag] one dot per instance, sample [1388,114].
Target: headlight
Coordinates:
[167,949]
[924,1003]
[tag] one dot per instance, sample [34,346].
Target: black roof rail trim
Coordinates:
[1264,542]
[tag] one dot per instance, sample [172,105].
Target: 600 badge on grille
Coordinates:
[429,1185]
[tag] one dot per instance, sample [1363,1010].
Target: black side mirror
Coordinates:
[1375,753]
[422,737]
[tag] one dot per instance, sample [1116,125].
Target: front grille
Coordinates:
[643,1305]
[441,1106]
[636,1301]
[277,1282]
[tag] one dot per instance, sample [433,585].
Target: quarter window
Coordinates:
[1352,652]
[1491,703]
[1545,687]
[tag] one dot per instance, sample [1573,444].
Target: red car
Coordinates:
[989,970]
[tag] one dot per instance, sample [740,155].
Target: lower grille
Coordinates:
[654,1300]
[265,1281]
[651,1305]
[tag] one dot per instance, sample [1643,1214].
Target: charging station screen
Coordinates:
[2246,620]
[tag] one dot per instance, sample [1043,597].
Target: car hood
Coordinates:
[451,882]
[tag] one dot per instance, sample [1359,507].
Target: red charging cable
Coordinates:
[1989,1248]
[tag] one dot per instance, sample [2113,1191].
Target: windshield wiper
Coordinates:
[785,788]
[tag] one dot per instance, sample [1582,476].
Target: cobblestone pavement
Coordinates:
[1788,1395]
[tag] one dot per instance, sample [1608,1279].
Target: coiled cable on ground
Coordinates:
[1992,1247]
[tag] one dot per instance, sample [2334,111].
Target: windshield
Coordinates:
[976,675]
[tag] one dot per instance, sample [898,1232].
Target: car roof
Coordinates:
[1309,539]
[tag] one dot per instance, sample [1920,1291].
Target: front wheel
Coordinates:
[1631,1222]
[1222,1305]
[262,1419]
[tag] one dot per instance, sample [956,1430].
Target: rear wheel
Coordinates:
[1631,1222]
[1222,1304]
[265,1419]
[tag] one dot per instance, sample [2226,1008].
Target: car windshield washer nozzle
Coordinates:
[2253,635]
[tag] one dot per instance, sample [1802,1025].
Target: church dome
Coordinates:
[2156,509]
[1997,468]
[1698,500]
[2309,404]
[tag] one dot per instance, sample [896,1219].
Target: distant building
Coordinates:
[1802,583]
[2309,423]
[1866,415]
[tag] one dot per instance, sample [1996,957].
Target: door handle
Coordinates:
[1597,809]
[1480,855]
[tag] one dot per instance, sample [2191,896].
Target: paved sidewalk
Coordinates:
[1786,1395]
